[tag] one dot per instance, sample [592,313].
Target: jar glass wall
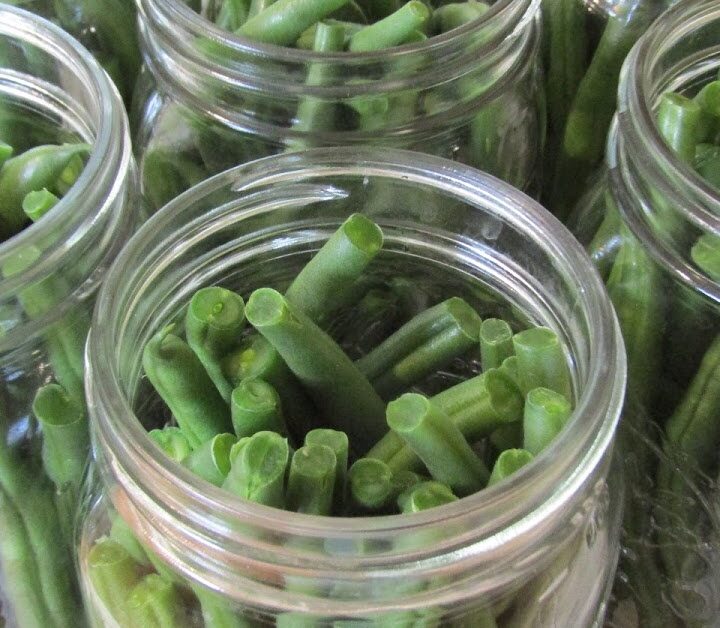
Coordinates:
[516,554]
[51,91]
[646,223]
[213,100]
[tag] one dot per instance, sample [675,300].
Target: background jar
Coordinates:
[52,91]
[642,221]
[540,548]
[585,44]
[108,28]
[213,100]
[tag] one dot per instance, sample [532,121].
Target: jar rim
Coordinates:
[634,131]
[79,214]
[579,449]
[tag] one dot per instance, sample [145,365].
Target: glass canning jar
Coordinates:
[108,28]
[52,91]
[585,44]
[212,100]
[539,549]
[641,222]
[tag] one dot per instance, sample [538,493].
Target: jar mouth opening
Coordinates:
[511,14]
[91,196]
[646,74]
[580,448]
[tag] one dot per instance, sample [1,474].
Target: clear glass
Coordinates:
[108,28]
[538,549]
[640,221]
[52,90]
[586,42]
[212,100]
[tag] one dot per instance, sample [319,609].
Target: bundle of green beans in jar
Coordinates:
[234,81]
[337,389]
[652,229]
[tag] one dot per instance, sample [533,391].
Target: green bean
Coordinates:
[708,98]
[211,460]
[172,441]
[707,163]
[6,152]
[338,442]
[232,14]
[424,496]
[706,255]
[154,602]
[113,574]
[495,343]
[180,379]
[167,173]
[678,120]
[327,280]
[306,41]
[391,30]
[508,462]
[546,412]
[37,168]
[541,361]
[283,21]
[257,469]
[341,392]
[371,484]
[311,480]
[37,204]
[422,346]
[255,407]
[438,443]
[122,534]
[214,323]
[455,14]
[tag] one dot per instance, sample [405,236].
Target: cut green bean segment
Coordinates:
[172,441]
[232,14]
[65,435]
[311,480]
[38,203]
[393,30]
[541,361]
[155,602]
[284,21]
[255,407]
[327,280]
[122,534]
[546,413]
[213,326]
[341,392]
[113,573]
[257,469]
[438,443]
[707,162]
[308,40]
[455,14]
[338,442]
[507,463]
[706,254]
[35,169]
[371,484]
[425,344]
[6,152]
[180,379]
[495,343]
[211,460]
[678,121]
[424,496]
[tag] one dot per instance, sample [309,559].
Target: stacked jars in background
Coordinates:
[537,549]
[51,92]
[651,224]
[213,99]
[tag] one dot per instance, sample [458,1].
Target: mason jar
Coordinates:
[538,549]
[212,99]
[52,91]
[646,221]
[108,28]
[585,44]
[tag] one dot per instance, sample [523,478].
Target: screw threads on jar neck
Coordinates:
[663,200]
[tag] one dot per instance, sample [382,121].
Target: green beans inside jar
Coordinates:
[304,407]
[108,28]
[651,226]
[66,187]
[585,44]
[459,81]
